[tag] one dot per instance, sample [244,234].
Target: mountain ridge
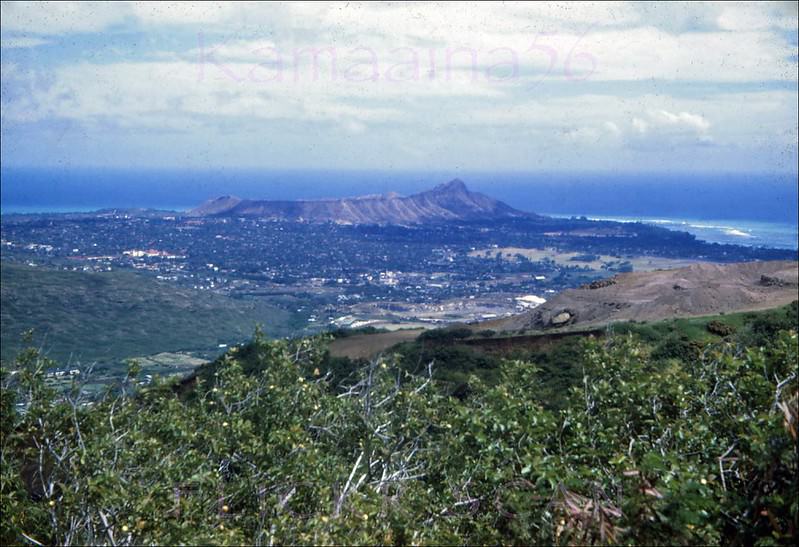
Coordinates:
[445,202]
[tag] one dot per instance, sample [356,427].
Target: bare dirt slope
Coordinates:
[700,289]
[365,346]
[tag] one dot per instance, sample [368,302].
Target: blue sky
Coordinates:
[635,87]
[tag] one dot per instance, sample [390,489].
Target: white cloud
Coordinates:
[599,41]
[181,96]
[660,126]
[681,119]
[562,89]
[723,118]
[758,15]
[22,42]
[582,135]
[640,125]
[612,128]
[638,53]
[183,13]
[127,94]
[51,18]
[649,53]
[257,51]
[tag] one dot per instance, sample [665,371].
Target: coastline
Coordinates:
[752,233]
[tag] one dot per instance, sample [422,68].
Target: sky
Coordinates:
[595,86]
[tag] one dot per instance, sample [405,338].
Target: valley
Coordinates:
[103,318]
[115,284]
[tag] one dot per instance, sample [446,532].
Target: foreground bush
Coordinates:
[695,452]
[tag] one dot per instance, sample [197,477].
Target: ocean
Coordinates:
[780,235]
[746,209]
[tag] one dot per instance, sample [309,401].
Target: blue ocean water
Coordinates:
[756,233]
[748,209]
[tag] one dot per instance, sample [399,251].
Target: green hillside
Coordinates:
[114,315]
[271,444]
[460,353]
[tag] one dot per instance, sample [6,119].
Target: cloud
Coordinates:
[140,94]
[22,42]
[632,55]
[573,41]
[641,126]
[182,13]
[724,118]
[612,128]
[257,51]
[52,18]
[681,119]
[597,76]
[759,15]
[658,127]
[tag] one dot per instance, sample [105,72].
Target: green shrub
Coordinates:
[445,334]
[268,450]
[720,329]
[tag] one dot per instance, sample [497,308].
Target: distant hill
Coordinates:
[114,315]
[697,290]
[445,202]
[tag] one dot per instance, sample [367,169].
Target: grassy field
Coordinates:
[639,263]
[111,316]
[692,328]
